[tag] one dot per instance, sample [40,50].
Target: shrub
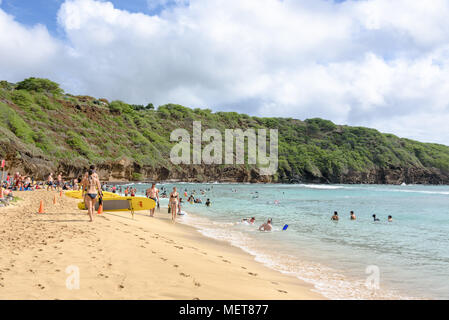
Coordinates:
[22,98]
[119,107]
[40,85]
[19,127]
[42,100]
[137,176]
[76,142]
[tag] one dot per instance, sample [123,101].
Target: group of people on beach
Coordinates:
[19,182]
[352,217]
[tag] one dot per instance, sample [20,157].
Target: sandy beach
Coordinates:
[121,258]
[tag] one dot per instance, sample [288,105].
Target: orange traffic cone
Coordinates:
[100,209]
[41,207]
[54,200]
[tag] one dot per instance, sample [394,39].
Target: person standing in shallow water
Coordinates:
[174,201]
[335,216]
[353,215]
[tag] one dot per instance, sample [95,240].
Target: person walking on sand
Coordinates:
[174,200]
[91,188]
[153,193]
[50,182]
[59,182]
[94,174]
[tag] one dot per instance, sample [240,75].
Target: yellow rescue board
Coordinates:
[123,204]
[79,194]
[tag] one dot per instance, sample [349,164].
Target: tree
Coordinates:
[40,85]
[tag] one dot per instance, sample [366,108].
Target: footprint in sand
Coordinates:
[163,259]
[226,261]
[184,275]
[243,268]
[282,291]
[175,265]
[197,284]
[252,274]
[178,247]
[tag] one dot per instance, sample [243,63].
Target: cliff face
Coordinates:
[125,169]
[43,130]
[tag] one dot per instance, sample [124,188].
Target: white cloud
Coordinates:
[377,63]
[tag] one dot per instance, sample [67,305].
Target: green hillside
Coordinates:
[43,129]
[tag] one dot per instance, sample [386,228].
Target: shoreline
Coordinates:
[182,182]
[121,258]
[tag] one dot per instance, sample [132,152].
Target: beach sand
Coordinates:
[121,258]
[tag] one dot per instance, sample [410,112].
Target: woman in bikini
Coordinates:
[174,201]
[91,187]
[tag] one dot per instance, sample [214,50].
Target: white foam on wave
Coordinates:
[322,186]
[326,281]
[415,191]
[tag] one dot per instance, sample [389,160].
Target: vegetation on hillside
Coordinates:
[51,124]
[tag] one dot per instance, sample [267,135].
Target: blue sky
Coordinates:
[375,63]
[31,12]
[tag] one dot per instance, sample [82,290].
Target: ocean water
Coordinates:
[404,259]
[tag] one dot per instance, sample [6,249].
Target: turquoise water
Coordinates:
[411,253]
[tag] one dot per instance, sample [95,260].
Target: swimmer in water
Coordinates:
[335,216]
[375,219]
[208,202]
[250,221]
[266,226]
[390,219]
[353,215]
